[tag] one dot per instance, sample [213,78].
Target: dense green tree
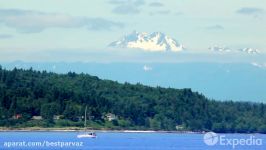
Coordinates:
[32,93]
[72,111]
[48,111]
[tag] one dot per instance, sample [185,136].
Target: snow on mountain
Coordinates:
[249,50]
[147,68]
[226,49]
[220,49]
[155,41]
[259,65]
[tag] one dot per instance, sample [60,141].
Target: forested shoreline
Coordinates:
[30,98]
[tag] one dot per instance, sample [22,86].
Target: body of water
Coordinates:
[129,141]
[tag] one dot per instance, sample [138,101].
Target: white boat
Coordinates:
[86,134]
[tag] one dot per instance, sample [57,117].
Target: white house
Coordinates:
[36,118]
[110,116]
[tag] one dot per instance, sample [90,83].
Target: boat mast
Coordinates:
[85,123]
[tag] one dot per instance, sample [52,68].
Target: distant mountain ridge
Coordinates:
[250,50]
[227,49]
[155,41]
[220,49]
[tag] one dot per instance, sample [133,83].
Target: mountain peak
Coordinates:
[250,50]
[227,49]
[156,41]
[220,49]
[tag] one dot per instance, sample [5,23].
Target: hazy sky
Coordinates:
[80,30]
[47,29]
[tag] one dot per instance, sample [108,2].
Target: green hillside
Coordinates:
[31,98]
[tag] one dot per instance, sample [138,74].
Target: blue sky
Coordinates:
[51,30]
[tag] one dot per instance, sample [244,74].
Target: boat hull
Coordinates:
[86,136]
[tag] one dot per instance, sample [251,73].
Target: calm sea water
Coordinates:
[119,141]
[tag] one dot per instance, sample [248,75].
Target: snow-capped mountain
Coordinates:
[259,65]
[155,41]
[220,49]
[249,50]
[226,49]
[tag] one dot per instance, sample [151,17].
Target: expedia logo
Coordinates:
[211,138]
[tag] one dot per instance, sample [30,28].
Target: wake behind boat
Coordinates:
[86,134]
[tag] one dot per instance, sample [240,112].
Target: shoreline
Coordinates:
[76,129]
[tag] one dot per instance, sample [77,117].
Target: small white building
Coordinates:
[110,116]
[36,118]
[179,127]
[57,117]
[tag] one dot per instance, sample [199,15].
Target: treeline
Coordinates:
[28,93]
